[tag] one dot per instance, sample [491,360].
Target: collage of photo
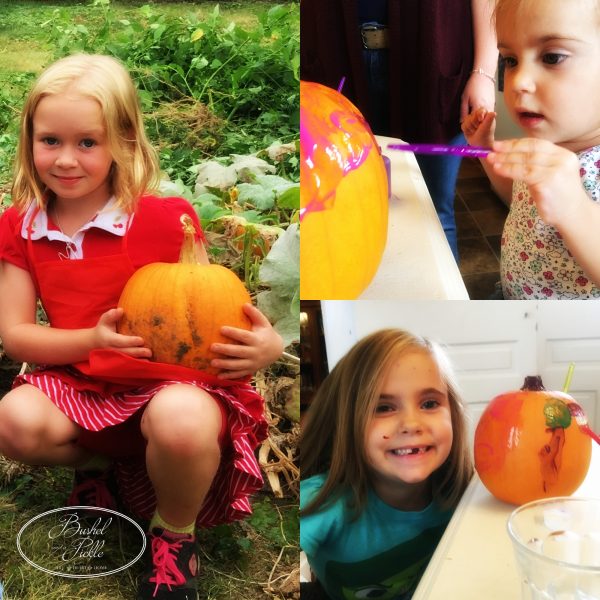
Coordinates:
[278,285]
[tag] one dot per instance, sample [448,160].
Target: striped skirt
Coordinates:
[112,419]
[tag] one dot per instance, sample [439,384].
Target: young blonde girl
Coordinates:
[384,461]
[176,448]
[551,177]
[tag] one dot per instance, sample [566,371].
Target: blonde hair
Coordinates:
[333,435]
[104,79]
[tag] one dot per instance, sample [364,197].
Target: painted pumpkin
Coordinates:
[179,308]
[343,197]
[530,444]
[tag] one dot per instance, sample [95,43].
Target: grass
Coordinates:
[232,69]
[23,49]
[253,559]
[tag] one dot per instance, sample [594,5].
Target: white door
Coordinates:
[570,332]
[492,345]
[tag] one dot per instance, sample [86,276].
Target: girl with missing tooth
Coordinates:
[385,461]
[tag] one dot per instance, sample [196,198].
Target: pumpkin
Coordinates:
[179,308]
[343,197]
[530,444]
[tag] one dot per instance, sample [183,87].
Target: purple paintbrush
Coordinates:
[474,151]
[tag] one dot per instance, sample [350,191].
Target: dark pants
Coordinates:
[439,172]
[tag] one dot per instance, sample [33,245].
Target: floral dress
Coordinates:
[534,260]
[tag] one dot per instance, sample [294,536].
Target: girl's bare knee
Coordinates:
[26,424]
[183,418]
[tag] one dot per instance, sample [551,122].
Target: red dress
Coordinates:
[105,396]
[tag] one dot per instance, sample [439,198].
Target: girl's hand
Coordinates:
[479,127]
[106,336]
[255,349]
[550,172]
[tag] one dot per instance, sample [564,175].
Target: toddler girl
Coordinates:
[551,242]
[384,462]
[177,448]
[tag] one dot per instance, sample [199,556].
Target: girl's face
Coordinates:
[552,78]
[70,149]
[409,435]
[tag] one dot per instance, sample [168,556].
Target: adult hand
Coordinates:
[254,349]
[480,92]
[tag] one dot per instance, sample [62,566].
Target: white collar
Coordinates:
[111,218]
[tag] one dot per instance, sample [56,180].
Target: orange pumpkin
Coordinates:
[179,308]
[529,444]
[343,197]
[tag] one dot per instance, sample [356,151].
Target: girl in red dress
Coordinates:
[176,445]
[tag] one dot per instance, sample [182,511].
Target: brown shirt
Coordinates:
[430,60]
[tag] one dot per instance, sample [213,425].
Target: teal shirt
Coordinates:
[382,554]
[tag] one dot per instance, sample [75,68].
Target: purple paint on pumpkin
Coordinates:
[331,148]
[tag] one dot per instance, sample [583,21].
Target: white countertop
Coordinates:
[417,262]
[474,559]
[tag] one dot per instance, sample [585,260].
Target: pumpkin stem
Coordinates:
[533,383]
[189,249]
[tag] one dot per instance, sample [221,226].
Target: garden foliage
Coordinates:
[216,94]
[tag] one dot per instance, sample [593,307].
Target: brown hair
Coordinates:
[103,79]
[332,439]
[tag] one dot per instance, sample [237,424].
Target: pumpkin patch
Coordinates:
[343,197]
[179,308]
[529,444]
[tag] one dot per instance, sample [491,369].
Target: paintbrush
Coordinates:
[442,149]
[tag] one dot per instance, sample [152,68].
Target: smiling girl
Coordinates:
[551,178]
[384,461]
[176,449]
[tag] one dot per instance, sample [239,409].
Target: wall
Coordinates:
[493,345]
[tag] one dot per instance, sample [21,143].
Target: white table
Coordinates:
[474,559]
[417,262]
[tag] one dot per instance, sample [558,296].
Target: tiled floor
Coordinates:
[480,216]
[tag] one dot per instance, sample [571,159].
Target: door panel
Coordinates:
[492,345]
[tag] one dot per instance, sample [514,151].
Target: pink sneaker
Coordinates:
[94,488]
[173,567]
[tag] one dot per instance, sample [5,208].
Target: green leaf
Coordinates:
[290,198]
[207,198]
[256,195]
[209,212]
[213,174]
[280,270]
[175,188]
[199,33]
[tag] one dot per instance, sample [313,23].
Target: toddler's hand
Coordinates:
[550,172]
[479,127]
[106,336]
[255,349]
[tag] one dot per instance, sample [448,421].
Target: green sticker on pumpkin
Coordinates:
[557,414]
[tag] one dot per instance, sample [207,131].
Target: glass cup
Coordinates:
[557,546]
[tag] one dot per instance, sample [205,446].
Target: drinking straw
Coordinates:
[568,378]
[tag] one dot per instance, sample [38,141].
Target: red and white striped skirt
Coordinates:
[111,423]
